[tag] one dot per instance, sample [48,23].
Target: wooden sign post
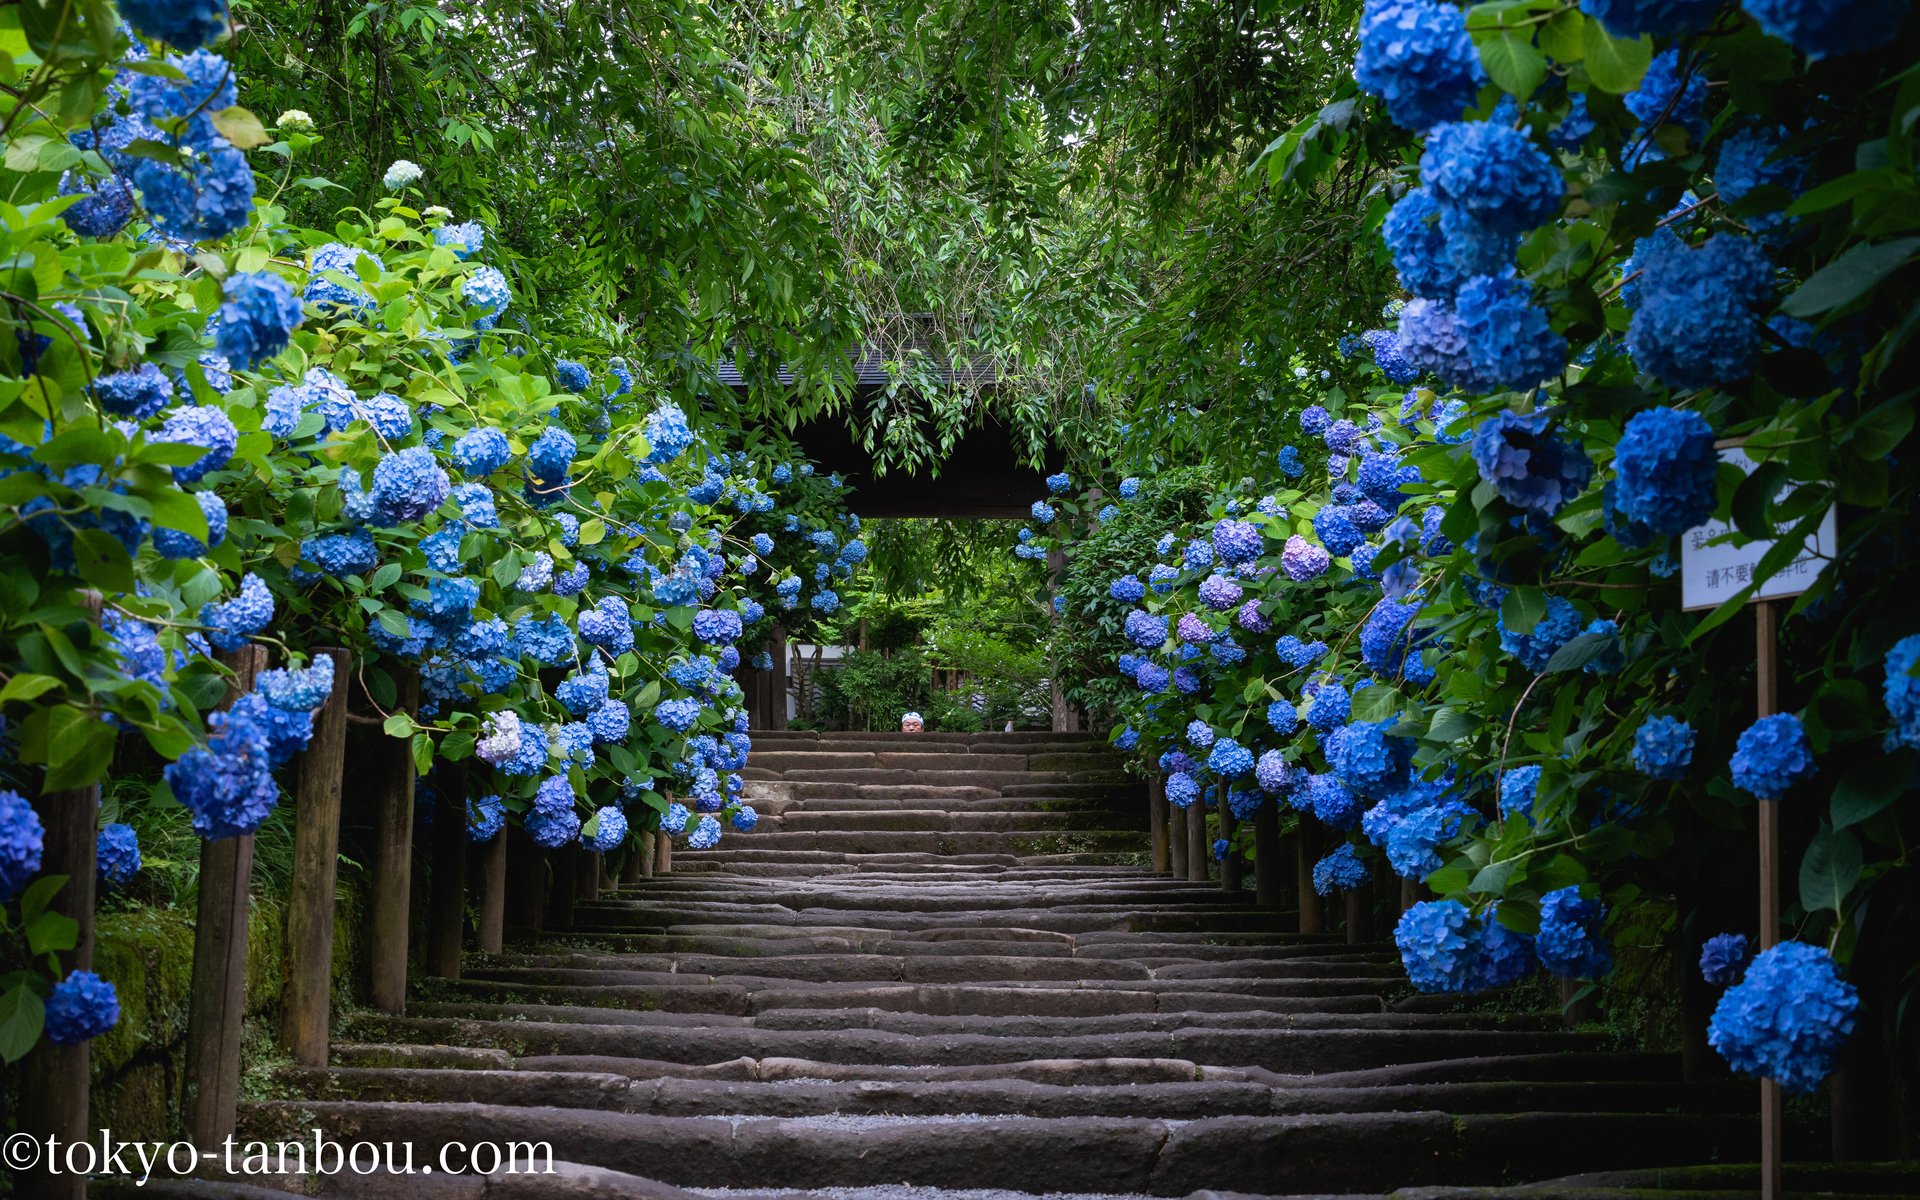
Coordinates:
[1709,576]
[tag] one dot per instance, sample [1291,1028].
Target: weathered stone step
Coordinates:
[1365,1152]
[1289,1052]
[1076,790]
[956,968]
[805,820]
[946,840]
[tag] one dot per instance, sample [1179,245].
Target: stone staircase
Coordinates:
[938,966]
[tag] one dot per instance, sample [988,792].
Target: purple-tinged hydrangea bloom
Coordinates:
[1827,27]
[1127,589]
[1340,871]
[1569,942]
[1192,630]
[1273,772]
[82,1006]
[1186,680]
[117,855]
[260,313]
[1508,338]
[1724,958]
[1431,340]
[1236,541]
[1341,435]
[1198,556]
[1416,56]
[1250,618]
[1333,524]
[1694,326]
[1151,676]
[1315,420]
[22,839]
[1382,476]
[1666,465]
[1527,467]
[1302,560]
[1220,593]
[1771,756]
[1437,941]
[208,427]
[1145,630]
[1663,748]
[1787,1019]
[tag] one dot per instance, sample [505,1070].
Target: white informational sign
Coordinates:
[1712,575]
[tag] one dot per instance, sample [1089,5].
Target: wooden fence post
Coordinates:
[316,854]
[779,681]
[447,910]
[490,936]
[1360,912]
[1266,854]
[393,857]
[217,999]
[586,876]
[565,862]
[1176,837]
[1232,867]
[55,1080]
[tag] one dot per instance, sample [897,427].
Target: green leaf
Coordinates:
[591,532]
[1451,724]
[102,561]
[22,1016]
[1255,689]
[384,577]
[1492,879]
[175,509]
[240,127]
[26,687]
[36,898]
[1448,880]
[1374,703]
[1880,431]
[79,750]
[1523,608]
[649,695]
[1849,277]
[1829,870]
[422,748]
[52,931]
[456,746]
[1564,38]
[393,622]
[1513,64]
[1614,65]
[1754,494]
[1870,786]
[1580,651]
[398,725]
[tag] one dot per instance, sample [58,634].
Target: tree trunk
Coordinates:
[1306,851]
[1157,820]
[1360,913]
[55,1081]
[316,856]
[490,936]
[1176,836]
[393,859]
[1198,851]
[1266,855]
[779,687]
[217,996]
[1232,867]
[565,862]
[447,910]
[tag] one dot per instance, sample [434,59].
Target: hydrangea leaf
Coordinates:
[1614,64]
[398,725]
[1375,703]
[1564,39]
[1523,608]
[1512,63]
[1829,870]
[1580,651]
[1870,786]
[241,128]
[1849,277]
[22,1016]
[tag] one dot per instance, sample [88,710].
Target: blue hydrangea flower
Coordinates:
[668,434]
[1694,326]
[297,689]
[1744,165]
[481,451]
[1229,759]
[609,831]
[342,554]
[228,784]
[1059,483]
[536,575]
[1219,593]
[1146,630]
[717,626]
[1302,560]
[825,601]
[106,209]
[705,835]
[1662,18]
[1508,338]
[231,622]
[1366,761]
[181,23]
[1340,871]
[1416,56]
[1569,942]
[1328,707]
[1437,945]
[745,818]
[407,485]
[1663,748]
[486,817]
[477,508]
[546,640]
[1129,487]
[1771,756]
[207,427]
[582,692]
[1151,676]
[1826,27]
[1383,639]
[1419,249]
[1901,690]
[82,1006]
[260,313]
[1661,91]
[137,394]
[487,288]
[1127,589]
[1491,173]
[22,839]
[1043,512]
[1724,958]
[178,544]
[341,260]
[677,715]
[1182,790]
[1413,843]
[1529,468]
[549,458]
[117,854]
[1787,1019]
[1536,648]
[1519,788]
